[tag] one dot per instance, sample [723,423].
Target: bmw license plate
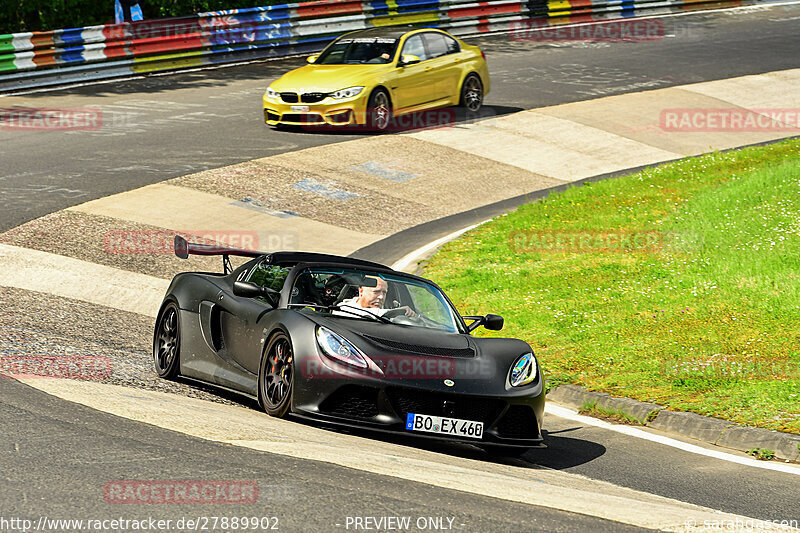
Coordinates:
[300,108]
[444,425]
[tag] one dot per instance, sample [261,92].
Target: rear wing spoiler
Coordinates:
[184,249]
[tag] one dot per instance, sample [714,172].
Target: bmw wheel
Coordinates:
[472,93]
[276,376]
[379,110]
[167,342]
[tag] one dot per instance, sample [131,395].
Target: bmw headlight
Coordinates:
[338,348]
[271,93]
[523,371]
[347,93]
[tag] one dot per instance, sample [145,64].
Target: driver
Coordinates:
[373,298]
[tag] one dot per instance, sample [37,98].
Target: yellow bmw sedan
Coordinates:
[369,77]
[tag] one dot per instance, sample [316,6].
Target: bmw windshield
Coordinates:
[358,51]
[362,294]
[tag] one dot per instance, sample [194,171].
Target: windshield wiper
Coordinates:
[359,312]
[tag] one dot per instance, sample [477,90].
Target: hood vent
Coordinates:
[420,349]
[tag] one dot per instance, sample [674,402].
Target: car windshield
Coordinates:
[358,51]
[379,297]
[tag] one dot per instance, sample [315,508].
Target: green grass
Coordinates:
[762,454]
[707,319]
[591,408]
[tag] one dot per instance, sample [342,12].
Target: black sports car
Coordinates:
[348,342]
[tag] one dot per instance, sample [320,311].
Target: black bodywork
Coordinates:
[222,339]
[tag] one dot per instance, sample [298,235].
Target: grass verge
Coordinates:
[678,285]
[762,454]
[612,415]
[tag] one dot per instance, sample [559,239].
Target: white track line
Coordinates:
[415,256]
[563,412]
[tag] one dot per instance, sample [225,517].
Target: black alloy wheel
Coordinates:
[276,376]
[167,342]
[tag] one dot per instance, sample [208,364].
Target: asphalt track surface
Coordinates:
[58,455]
[162,127]
[57,462]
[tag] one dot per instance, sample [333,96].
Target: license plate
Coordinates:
[300,108]
[444,425]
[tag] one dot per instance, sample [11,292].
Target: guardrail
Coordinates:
[41,59]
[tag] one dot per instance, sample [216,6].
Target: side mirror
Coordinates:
[493,322]
[408,59]
[312,59]
[247,289]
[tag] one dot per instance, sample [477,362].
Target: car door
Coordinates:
[242,321]
[444,68]
[411,85]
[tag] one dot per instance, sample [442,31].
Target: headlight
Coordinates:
[347,93]
[338,348]
[271,93]
[523,371]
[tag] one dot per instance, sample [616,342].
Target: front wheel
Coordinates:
[276,376]
[379,111]
[167,342]
[472,93]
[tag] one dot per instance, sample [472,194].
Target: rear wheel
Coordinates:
[167,342]
[472,93]
[379,111]
[276,376]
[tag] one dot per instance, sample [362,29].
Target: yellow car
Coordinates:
[369,77]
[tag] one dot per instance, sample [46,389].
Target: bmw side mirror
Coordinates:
[247,289]
[408,59]
[312,59]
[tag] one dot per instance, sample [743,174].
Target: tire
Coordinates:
[472,93]
[504,451]
[276,376]
[167,342]
[379,111]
